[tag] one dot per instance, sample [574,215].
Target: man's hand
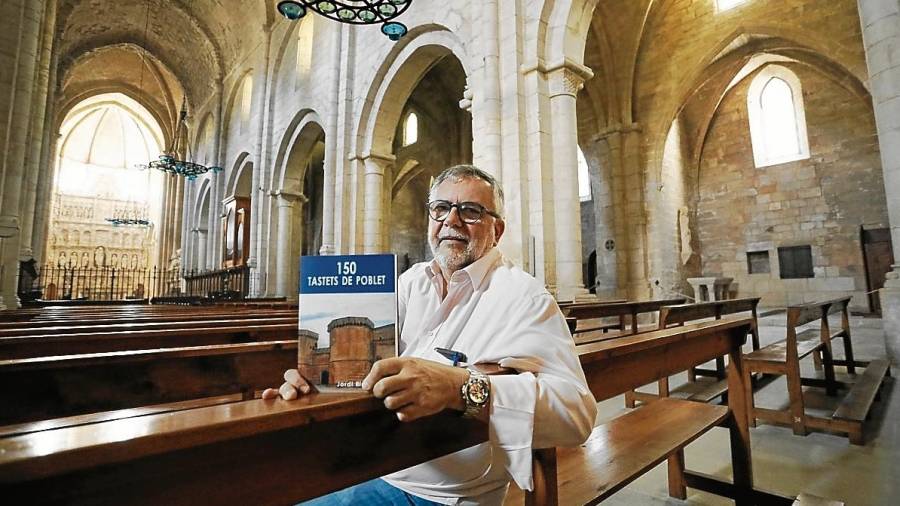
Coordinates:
[294,385]
[414,387]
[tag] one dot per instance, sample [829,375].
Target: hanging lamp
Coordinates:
[354,12]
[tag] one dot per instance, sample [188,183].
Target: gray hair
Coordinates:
[459,172]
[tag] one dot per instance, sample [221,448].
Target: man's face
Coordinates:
[454,243]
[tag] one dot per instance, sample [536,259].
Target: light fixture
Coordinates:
[129,221]
[354,12]
[169,160]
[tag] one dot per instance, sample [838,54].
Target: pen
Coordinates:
[452,355]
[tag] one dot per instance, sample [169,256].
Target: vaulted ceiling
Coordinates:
[184,47]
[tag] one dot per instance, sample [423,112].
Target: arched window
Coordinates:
[584,178]
[777,117]
[246,102]
[305,46]
[410,129]
[724,5]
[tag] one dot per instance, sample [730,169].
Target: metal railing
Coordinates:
[110,284]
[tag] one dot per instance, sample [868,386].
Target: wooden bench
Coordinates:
[15,328]
[153,324]
[591,327]
[252,452]
[52,387]
[100,341]
[678,315]
[783,358]
[623,449]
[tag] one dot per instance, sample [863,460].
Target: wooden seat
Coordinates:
[783,358]
[777,352]
[630,445]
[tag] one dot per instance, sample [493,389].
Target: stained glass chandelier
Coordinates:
[170,162]
[129,222]
[355,12]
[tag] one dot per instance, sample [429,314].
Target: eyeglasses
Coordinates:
[469,212]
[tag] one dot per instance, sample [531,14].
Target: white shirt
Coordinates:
[495,312]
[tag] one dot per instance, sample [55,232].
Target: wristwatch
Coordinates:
[476,392]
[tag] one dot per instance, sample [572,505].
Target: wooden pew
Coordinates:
[252,452]
[99,341]
[128,319]
[590,328]
[620,451]
[261,451]
[152,324]
[51,387]
[677,315]
[783,358]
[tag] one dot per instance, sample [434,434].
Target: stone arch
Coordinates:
[72,102]
[742,63]
[301,134]
[395,80]
[201,219]
[298,181]
[561,31]
[241,171]
[201,204]
[409,170]
[290,36]
[726,55]
[232,97]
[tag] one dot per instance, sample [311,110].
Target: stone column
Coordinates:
[38,135]
[22,24]
[200,253]
[881,36]
[285,268]
[565,79]
[214,224]
[376,166]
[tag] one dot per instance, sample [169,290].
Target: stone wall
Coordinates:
[821,202]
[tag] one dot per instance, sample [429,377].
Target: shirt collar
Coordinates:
[477,270]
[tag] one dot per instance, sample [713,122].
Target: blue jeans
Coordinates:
[376,492]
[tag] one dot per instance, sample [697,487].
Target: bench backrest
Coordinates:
[51,387]
[115,326]
[679,314]
[683,347]
[806,313]
[98,342]
[603,310]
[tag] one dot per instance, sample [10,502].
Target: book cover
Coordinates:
[348,317]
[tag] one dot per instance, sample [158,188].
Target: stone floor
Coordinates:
[822,464]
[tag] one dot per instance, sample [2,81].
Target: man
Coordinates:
[471,299]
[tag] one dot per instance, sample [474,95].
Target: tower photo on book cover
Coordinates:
[348,317]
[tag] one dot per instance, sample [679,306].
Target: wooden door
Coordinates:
[878,256]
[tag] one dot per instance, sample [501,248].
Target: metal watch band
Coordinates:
[475,378]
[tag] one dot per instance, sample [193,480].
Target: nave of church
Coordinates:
[653,154]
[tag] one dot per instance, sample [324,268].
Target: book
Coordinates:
[348,317]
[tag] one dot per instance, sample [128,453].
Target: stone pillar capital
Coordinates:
[376,163]
[9,225]
[287,199]
[567,77]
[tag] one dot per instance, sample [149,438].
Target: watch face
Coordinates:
[478,391]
